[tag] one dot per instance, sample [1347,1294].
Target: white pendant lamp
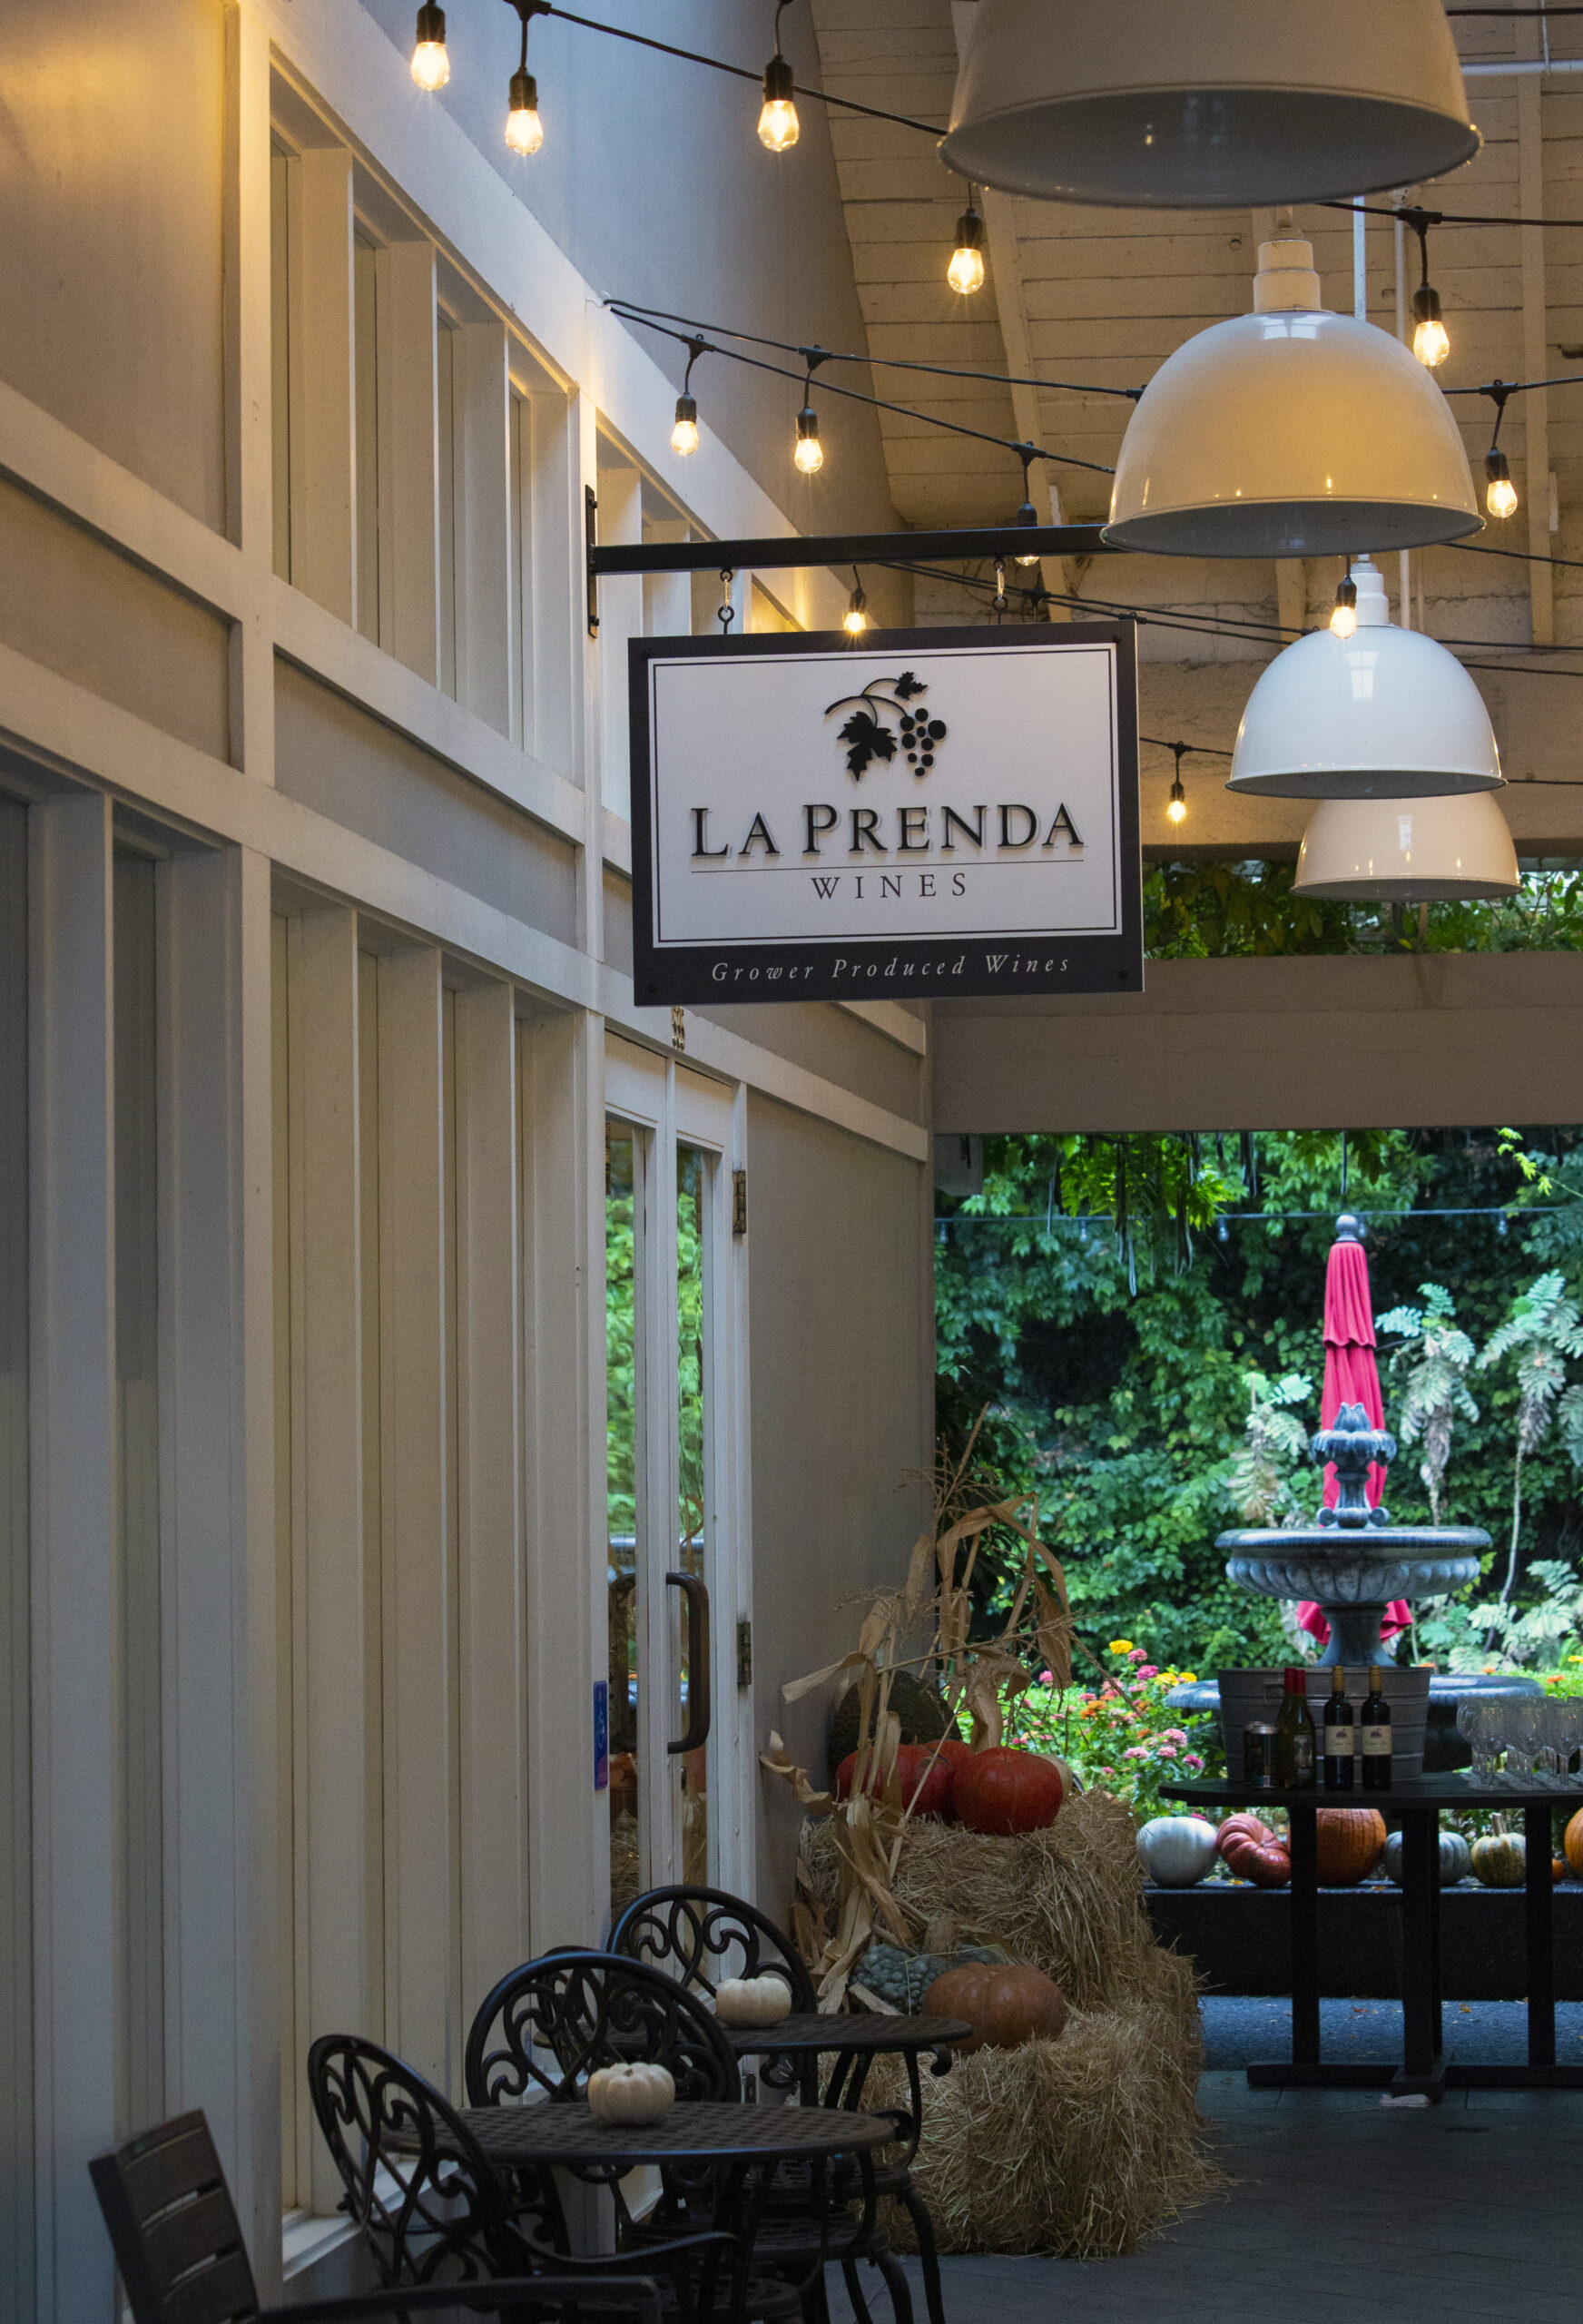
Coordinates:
[1407,850]
[1207,103]
[1380,713]
[1291,433]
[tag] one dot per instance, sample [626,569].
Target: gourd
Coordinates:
[1176,1851]
[1573,1845]
[1004,2003]
[1254,1854]
[1501,1857]
[631,2094]
[1004,1791]
[753,2001]
[920,1771]
[1456,1859]
[1350,1842]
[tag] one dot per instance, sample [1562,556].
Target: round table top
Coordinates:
[869,2033]
[704,2130]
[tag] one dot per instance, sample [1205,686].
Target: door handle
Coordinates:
[698,1704]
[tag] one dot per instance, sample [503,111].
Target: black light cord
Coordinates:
[814,356]
[638,313]
[1405,215]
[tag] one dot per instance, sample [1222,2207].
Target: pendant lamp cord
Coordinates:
[527,10]
[1420,220]
[781,8]
[1497,391]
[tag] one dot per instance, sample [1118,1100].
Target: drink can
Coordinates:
[1259,1755]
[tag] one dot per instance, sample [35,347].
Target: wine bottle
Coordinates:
[1374,1733]
[1296,1741]
[1339,1735]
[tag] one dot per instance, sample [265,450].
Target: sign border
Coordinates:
[685,974]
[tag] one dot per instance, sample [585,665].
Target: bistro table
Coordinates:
[855,2040]
[1418,1800]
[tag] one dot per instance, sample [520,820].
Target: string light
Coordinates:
[1343,619]
[1027,514]
[1430,342]
[779,127]
[1499,492]
[523,129]
[810,453]
[855,619]
[966,272]
[684,434]
[1176,806]
[431,67]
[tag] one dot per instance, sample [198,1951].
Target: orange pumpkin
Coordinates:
[1005,2001]
[1573,1845]
[1351,1840]
[1002,1791]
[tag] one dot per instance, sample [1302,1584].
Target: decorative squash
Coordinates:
[1244,1820]
[1267,1863]
[1352,1841]
[631,2094]
[1456,1859]
[1501,1857]
[1001,1791]
[1176,1851]
[920,1770]
[1573,1845]
[1005,2001]
[753,2001]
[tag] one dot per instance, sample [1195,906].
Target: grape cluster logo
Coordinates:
[866,735]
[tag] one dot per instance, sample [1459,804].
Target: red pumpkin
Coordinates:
[1244,1820]
[953,1749]
[1005,1791]
[1004,2003]
[917,1770]
[1264,1862]
[1351,1840]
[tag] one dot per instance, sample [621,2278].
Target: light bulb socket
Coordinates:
[969,232]
[808,425]
[1347,594]
[1178,806]
[431,27]
[779,86]
[524,89]
[1426,304]
[1496,467]
[687,409]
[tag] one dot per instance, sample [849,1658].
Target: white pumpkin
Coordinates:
[1456,1859]
[631,2094]
[753,2001]
[1176,1851]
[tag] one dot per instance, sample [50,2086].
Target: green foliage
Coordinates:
[1130,1414]
[1195,911]
[1122,1736]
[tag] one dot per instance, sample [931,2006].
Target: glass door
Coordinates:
[666,1177]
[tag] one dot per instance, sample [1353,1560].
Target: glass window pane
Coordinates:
[621,1230]
[692,1386]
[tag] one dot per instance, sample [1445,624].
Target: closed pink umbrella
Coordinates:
[1351,1376]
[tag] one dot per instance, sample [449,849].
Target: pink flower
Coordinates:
[1150,1670]
[1137,1653]
[1135,1751]
[1168,1750]
[1046,1678]
[1175,1735]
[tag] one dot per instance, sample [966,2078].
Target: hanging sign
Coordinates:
[921,814]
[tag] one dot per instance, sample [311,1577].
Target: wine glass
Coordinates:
[1469,1722]
[1524,1735]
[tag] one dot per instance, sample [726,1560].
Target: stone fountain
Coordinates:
[1351,1560]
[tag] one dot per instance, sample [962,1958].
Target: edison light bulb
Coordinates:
[810,453]
[431,67]
[1499,492]
[779,127]
[684,435]
[1430,343]
[1177,808]
[855,619]
[1343,619]
[966,270]
[523,129]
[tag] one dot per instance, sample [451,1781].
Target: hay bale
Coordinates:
[1081,2148]
[1085,2146]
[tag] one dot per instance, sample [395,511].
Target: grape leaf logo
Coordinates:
[868,736]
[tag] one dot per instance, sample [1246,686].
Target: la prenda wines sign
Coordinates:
[923,814]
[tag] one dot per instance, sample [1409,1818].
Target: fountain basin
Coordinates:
[1353,1574]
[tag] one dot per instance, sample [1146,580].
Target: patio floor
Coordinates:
[1443,2214]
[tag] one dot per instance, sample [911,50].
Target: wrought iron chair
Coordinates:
[178,2246]
[554,2021]
[702,1935]
[433,2208]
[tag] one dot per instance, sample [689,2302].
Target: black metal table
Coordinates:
[854,2040]
[568,2131]
[1418,1801]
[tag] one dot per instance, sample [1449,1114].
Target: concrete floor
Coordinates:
[1425,2215]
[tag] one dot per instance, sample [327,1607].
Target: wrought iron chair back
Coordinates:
[554,2022]
[703,1935]
[429,2201]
